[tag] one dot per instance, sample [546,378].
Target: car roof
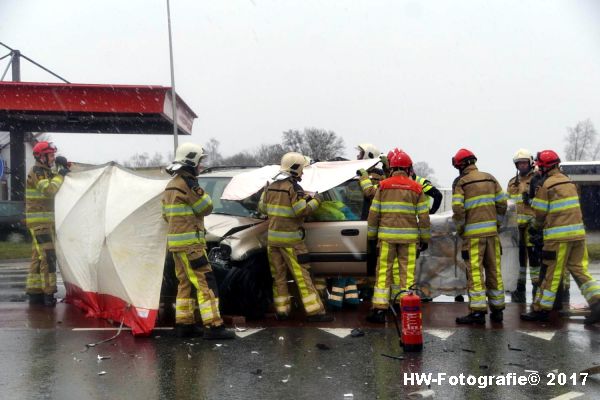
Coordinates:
[225,171]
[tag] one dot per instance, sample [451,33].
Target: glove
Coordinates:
[423,246]
[536,236]
[62,162]
[63,171]
[384,162]
[362,173]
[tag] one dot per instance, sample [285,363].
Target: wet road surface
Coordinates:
[43,355]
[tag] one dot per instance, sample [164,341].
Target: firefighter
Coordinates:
[399,220]
[286,205]
[185,204]
[42,185]
[479,206]
[558,216]
[517,190]
[370,179]
[430,191]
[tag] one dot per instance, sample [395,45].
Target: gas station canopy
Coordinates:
[86,108]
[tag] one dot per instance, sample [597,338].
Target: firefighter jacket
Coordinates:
[184,206]
[42,186]
[369,184]
[399,212]
[557,211]
[517,187]
[286,205]
[478,203]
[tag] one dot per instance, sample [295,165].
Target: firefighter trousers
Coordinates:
[396,266]
[197,285]
[482,256]
[527,257]
[557,258]
[295,258]
[42,271]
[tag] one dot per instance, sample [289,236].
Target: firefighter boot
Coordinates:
[477,317]
[319,318]
[49,300]
[36,298]
[218,332]
[594,317]
[518,296]
[540,316]
[377,316]
[497,316]
[188,330]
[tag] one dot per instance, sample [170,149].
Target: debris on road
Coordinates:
[323,346]
[392,357]
[422,394]
[514,348]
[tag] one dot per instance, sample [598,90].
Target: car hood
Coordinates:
[218,225]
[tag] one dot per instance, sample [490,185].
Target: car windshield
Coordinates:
[215,186]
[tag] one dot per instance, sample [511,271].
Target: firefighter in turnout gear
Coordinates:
[430,191]
[42,185]
[399,220]
[370,179]
[518,190]
[558,216]
[286,205]
[185,204]
[479,206]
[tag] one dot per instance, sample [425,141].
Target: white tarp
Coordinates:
[111,244]
[317,177]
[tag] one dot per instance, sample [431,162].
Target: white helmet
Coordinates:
[368,150]
[293,163]
[187,154]
[523,155]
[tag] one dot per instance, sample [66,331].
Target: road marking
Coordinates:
[440,333]
[568,396]
[248,332]
[540,334]
[339,332]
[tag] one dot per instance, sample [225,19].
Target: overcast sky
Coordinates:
[429,77]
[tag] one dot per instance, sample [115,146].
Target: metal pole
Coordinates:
[17,144]
[7,66]
[173,93]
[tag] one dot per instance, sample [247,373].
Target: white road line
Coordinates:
[540,334]
[339,332]
[248,332]
[440,333]
[160,328]
[568,396]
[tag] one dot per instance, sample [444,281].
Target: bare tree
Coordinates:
[214,156]
[144,160]
[582,142]
[269,154]
[318,144]
[245,159]
[423,170]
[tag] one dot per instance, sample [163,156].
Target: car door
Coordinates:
[336,235]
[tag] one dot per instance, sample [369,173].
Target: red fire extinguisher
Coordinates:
[412,322]
[411,334]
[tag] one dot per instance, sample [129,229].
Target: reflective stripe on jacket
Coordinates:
[516,187]
[557,210]
[286,205]
[184,210]
[478,203]
[42,186]
[399,212]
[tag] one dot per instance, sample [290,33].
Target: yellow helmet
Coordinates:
[293,163]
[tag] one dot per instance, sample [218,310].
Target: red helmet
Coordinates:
[42,148]
[461,158]
[399,159]
[547,159]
